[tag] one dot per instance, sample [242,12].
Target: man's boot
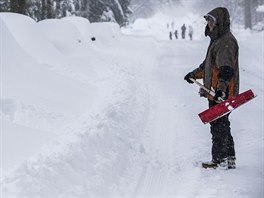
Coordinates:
[231,162]
[211,164]
[223,165]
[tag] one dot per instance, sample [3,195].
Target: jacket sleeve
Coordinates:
[198,72]
[225,59]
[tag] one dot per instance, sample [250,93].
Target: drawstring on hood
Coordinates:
[222,18]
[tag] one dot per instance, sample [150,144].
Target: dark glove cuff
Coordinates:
[192,75]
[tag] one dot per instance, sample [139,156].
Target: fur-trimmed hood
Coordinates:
[222,18]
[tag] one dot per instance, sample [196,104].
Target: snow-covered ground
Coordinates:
[113,117]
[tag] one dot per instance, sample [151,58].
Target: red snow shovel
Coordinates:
[225,106]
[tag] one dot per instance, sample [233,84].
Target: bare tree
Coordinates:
[13,5]
[22,7]
[247,12]
[43,9]
[94,10]
[18,6]
[49,9]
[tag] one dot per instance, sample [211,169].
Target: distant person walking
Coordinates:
[190,32]
[170,35]
[176,34]
[183,28]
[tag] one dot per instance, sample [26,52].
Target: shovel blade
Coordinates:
[226,107]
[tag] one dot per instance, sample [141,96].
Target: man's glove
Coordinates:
[188,76]
[203,93]
[219,96]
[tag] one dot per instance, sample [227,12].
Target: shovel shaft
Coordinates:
[212,93]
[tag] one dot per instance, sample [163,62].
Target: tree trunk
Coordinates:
[14,6]
[21,6]
[247,9]
[43,9]
[49,9]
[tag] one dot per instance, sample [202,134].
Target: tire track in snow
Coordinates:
[161,141]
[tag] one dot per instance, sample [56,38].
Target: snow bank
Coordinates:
[94,144]
[82,24]
[35,98]
[23,76]
[35,95]
[31,39]
[19,143]
[105,32]
[63,35]
[93,164]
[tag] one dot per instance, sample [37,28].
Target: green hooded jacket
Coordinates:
[219,70]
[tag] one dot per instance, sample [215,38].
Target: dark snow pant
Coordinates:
[222,140]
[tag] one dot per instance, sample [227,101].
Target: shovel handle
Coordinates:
[212,93]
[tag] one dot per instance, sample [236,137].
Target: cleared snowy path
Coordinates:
[170,144]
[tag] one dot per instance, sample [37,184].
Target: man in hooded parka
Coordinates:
[220,73]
